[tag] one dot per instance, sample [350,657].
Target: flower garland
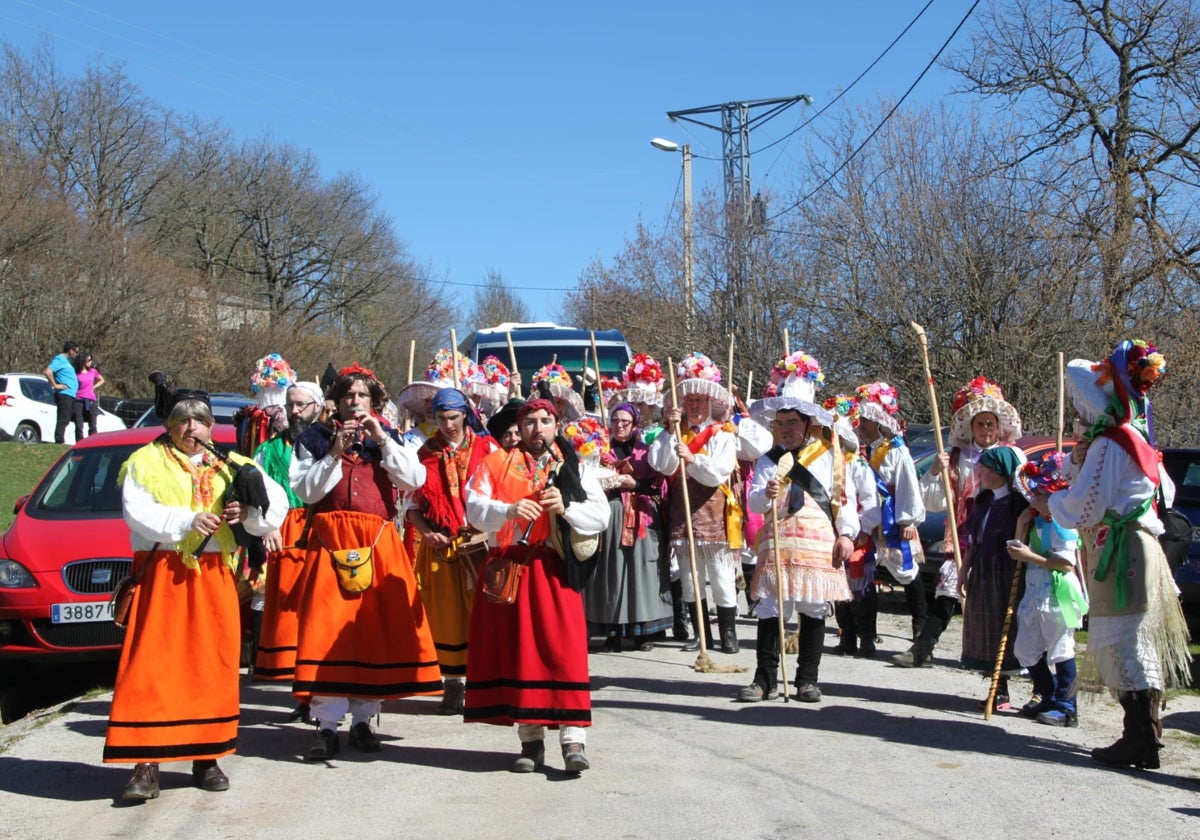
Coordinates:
[643,370]
[440,368]
[271,373]
[553,374]
[1046,473]
[881,393]
[1146,365]
[491,371]
[588,437]
[843,405]
[977,388]
[798,364]
[698,366]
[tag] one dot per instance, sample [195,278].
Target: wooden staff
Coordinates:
[783,468]
[703,662]
[512,351]
[1061,404]
[947,484]
[454,356]
[729,364]
[412,349]
[1013,591]
[599,389]
[749,387]
[787,345]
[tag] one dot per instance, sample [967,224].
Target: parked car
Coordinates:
[28,411]
[1183,465]
[65,553]
[932,531]
[224,406]
[921,440]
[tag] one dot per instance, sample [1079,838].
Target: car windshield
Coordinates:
[82,485]
[1184,469]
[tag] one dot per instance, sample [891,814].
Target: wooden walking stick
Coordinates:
[947,484]
[599,389]
[1061,404]
[512,351]
[787,345]
[412,349]
[729,364]
[704,663]
[783,468]
[1013,592]
[454,356]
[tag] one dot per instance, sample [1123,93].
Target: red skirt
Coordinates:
[176,694]
[529,659]
[373,644]
[276,657]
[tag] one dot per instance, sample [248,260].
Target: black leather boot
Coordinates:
[699,625]
[808,663]
[866,613]
[1138,745]
[766,676]
[727,624]
[847,645]
[680,629]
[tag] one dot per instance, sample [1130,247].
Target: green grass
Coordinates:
[21,465]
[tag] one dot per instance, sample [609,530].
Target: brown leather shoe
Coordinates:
[575,760]
[206,775]
[143,785]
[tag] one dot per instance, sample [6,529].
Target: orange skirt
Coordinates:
[176,694]
[374,644]
[276,658]
[446,592]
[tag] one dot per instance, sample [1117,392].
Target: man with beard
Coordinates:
[275,657]
[528,662]
[363,634]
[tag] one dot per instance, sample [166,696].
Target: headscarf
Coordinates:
[313,390]
[538,404]
[452,399]
[1000,459]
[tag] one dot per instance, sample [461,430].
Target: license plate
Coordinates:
[1196,535]
[77,613]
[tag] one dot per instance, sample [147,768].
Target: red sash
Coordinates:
[1136,447]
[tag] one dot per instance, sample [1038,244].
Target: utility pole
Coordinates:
[742,210]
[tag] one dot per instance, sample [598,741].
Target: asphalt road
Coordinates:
[889,753]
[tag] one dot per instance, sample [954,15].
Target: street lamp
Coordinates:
[689,278]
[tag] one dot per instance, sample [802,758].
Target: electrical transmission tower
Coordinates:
[743,211]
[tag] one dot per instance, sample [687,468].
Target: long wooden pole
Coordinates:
[512,361]
[787,345]
[701,620]
[599,389]
[1061,403]
[729,364]
[783,468]
[454,355]
[412,349]
[947,484]
[1013,591]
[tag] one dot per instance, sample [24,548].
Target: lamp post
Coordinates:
[689,277]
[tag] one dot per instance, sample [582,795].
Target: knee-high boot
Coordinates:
[866,611]
[843,612]
[918,607]
[1138,744]
[808,663]
[680,629]
[766,676]
[727,625]
[699,625]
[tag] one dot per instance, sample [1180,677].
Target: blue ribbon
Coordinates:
[891,530]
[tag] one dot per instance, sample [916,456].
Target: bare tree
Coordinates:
[1112,91]
[496,303]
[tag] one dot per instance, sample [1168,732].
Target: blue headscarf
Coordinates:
[452,399]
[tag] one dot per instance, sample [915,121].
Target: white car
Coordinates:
[28,412]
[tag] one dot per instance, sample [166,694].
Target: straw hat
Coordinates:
[978,396]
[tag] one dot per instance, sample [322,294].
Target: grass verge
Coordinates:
[24,464]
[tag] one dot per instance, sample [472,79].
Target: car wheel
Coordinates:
[27,433]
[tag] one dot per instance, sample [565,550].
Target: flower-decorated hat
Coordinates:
[641,383]
[270,379]
[845,411]
[1116,388]
[489,381]
[976,397]
[698,374]
[438,375]
[1045,475]
[588,438]
[796,378]
[554,378]
[878,401]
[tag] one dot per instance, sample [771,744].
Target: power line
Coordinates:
[882,122]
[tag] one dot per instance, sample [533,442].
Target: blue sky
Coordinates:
[509,137]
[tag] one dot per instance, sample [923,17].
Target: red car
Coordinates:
[67,550]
